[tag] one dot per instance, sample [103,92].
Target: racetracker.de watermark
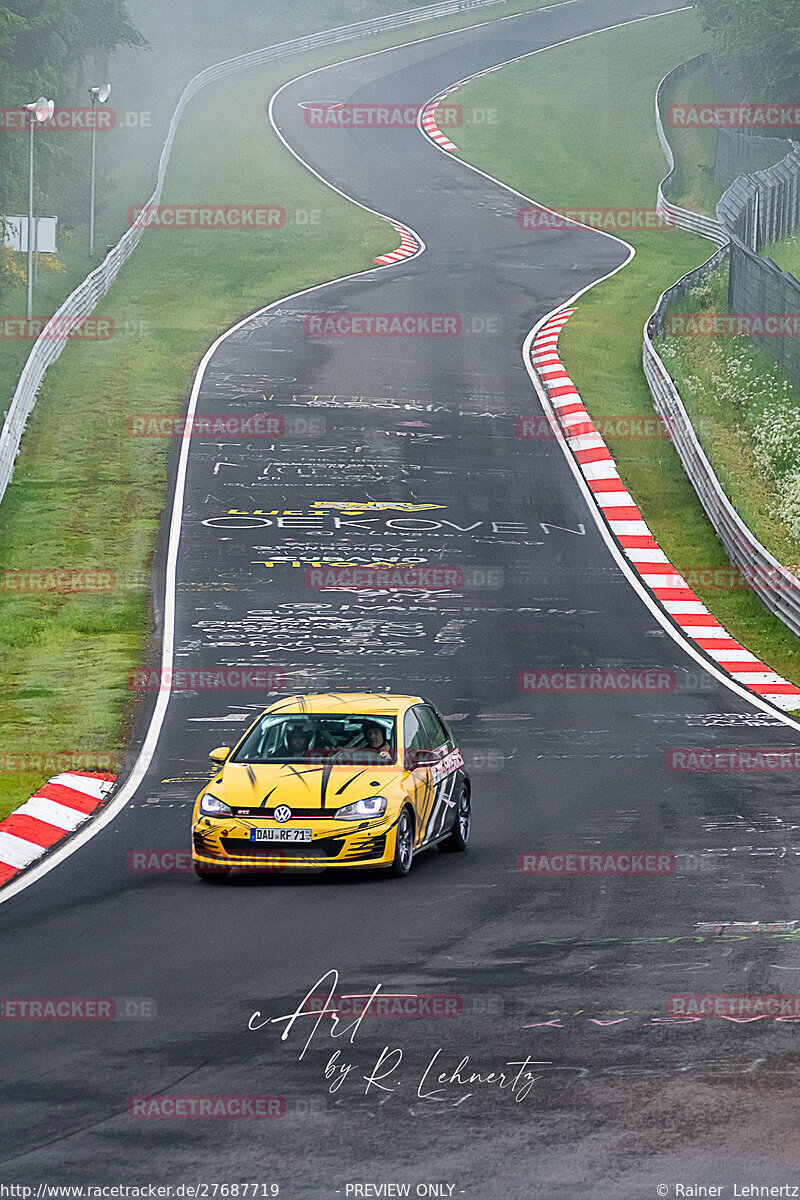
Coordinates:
[400,577]
[211,426]
[57,762]
[390,578]
[386,1004]
[386,115]
[180,862]
[77,1008]
[736,758]
[64,120]
[778,578]
[209,679]
[612,220]
[604,862]
[208,1107]
[770,115]
[382,324]
[57,579]
[743,324]
[543,428]
[408,1005]
[597,681]
[56,329]
[716,1005]
[208,216]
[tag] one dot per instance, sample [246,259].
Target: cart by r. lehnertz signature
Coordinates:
[436,1080]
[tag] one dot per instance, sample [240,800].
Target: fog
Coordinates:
[184,38]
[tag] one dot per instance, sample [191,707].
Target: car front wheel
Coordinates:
[403,846]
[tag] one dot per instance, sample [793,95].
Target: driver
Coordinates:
[298,740]
[375,736]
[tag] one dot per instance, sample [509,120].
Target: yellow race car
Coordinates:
[354,779]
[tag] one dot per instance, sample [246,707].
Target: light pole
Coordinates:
[41,111]
[101,93]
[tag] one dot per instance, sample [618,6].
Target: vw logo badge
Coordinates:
[282,813]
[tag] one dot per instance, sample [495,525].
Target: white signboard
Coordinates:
[15,234]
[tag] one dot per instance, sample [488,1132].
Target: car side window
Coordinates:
[414,734]
[435,732]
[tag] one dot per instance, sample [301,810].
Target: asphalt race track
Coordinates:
[537,964]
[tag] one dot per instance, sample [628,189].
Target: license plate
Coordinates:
[280,835]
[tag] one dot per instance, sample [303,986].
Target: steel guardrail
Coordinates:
[684,218]
[776,587]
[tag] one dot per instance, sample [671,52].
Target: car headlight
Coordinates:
[373,806]
[212,807]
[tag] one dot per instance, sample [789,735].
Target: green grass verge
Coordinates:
[596,145]
[730,387]
[84,493]
[786,254]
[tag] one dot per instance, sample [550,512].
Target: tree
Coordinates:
[758,45]
[42,46]
[49,36]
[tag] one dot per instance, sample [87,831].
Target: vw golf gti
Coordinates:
[334,780]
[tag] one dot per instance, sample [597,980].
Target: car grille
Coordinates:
[321,848]
[321,814]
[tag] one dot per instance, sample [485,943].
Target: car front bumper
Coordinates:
[227,844]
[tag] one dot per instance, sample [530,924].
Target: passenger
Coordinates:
[375,736]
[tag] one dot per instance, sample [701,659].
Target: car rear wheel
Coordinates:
[403,845]
[459,838]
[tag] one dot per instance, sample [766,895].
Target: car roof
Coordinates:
[367,703]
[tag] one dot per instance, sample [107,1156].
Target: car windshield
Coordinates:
[318,737]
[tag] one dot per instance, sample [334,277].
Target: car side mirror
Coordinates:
[220,754]
[421,758]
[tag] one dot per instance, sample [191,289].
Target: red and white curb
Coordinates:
[407,249]
[629,528]
[54,812]
[428,124]
[427,121]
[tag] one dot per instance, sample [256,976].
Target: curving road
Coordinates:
[538,964]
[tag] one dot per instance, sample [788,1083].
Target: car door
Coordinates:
[417,780]
[433,770]
[443,774]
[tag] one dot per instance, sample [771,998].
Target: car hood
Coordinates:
[314,787]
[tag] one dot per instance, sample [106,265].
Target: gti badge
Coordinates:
[282,813]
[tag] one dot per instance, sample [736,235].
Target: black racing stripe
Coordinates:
[300,774]
[323,785]
[429,796]
[269,793]
[349,781]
